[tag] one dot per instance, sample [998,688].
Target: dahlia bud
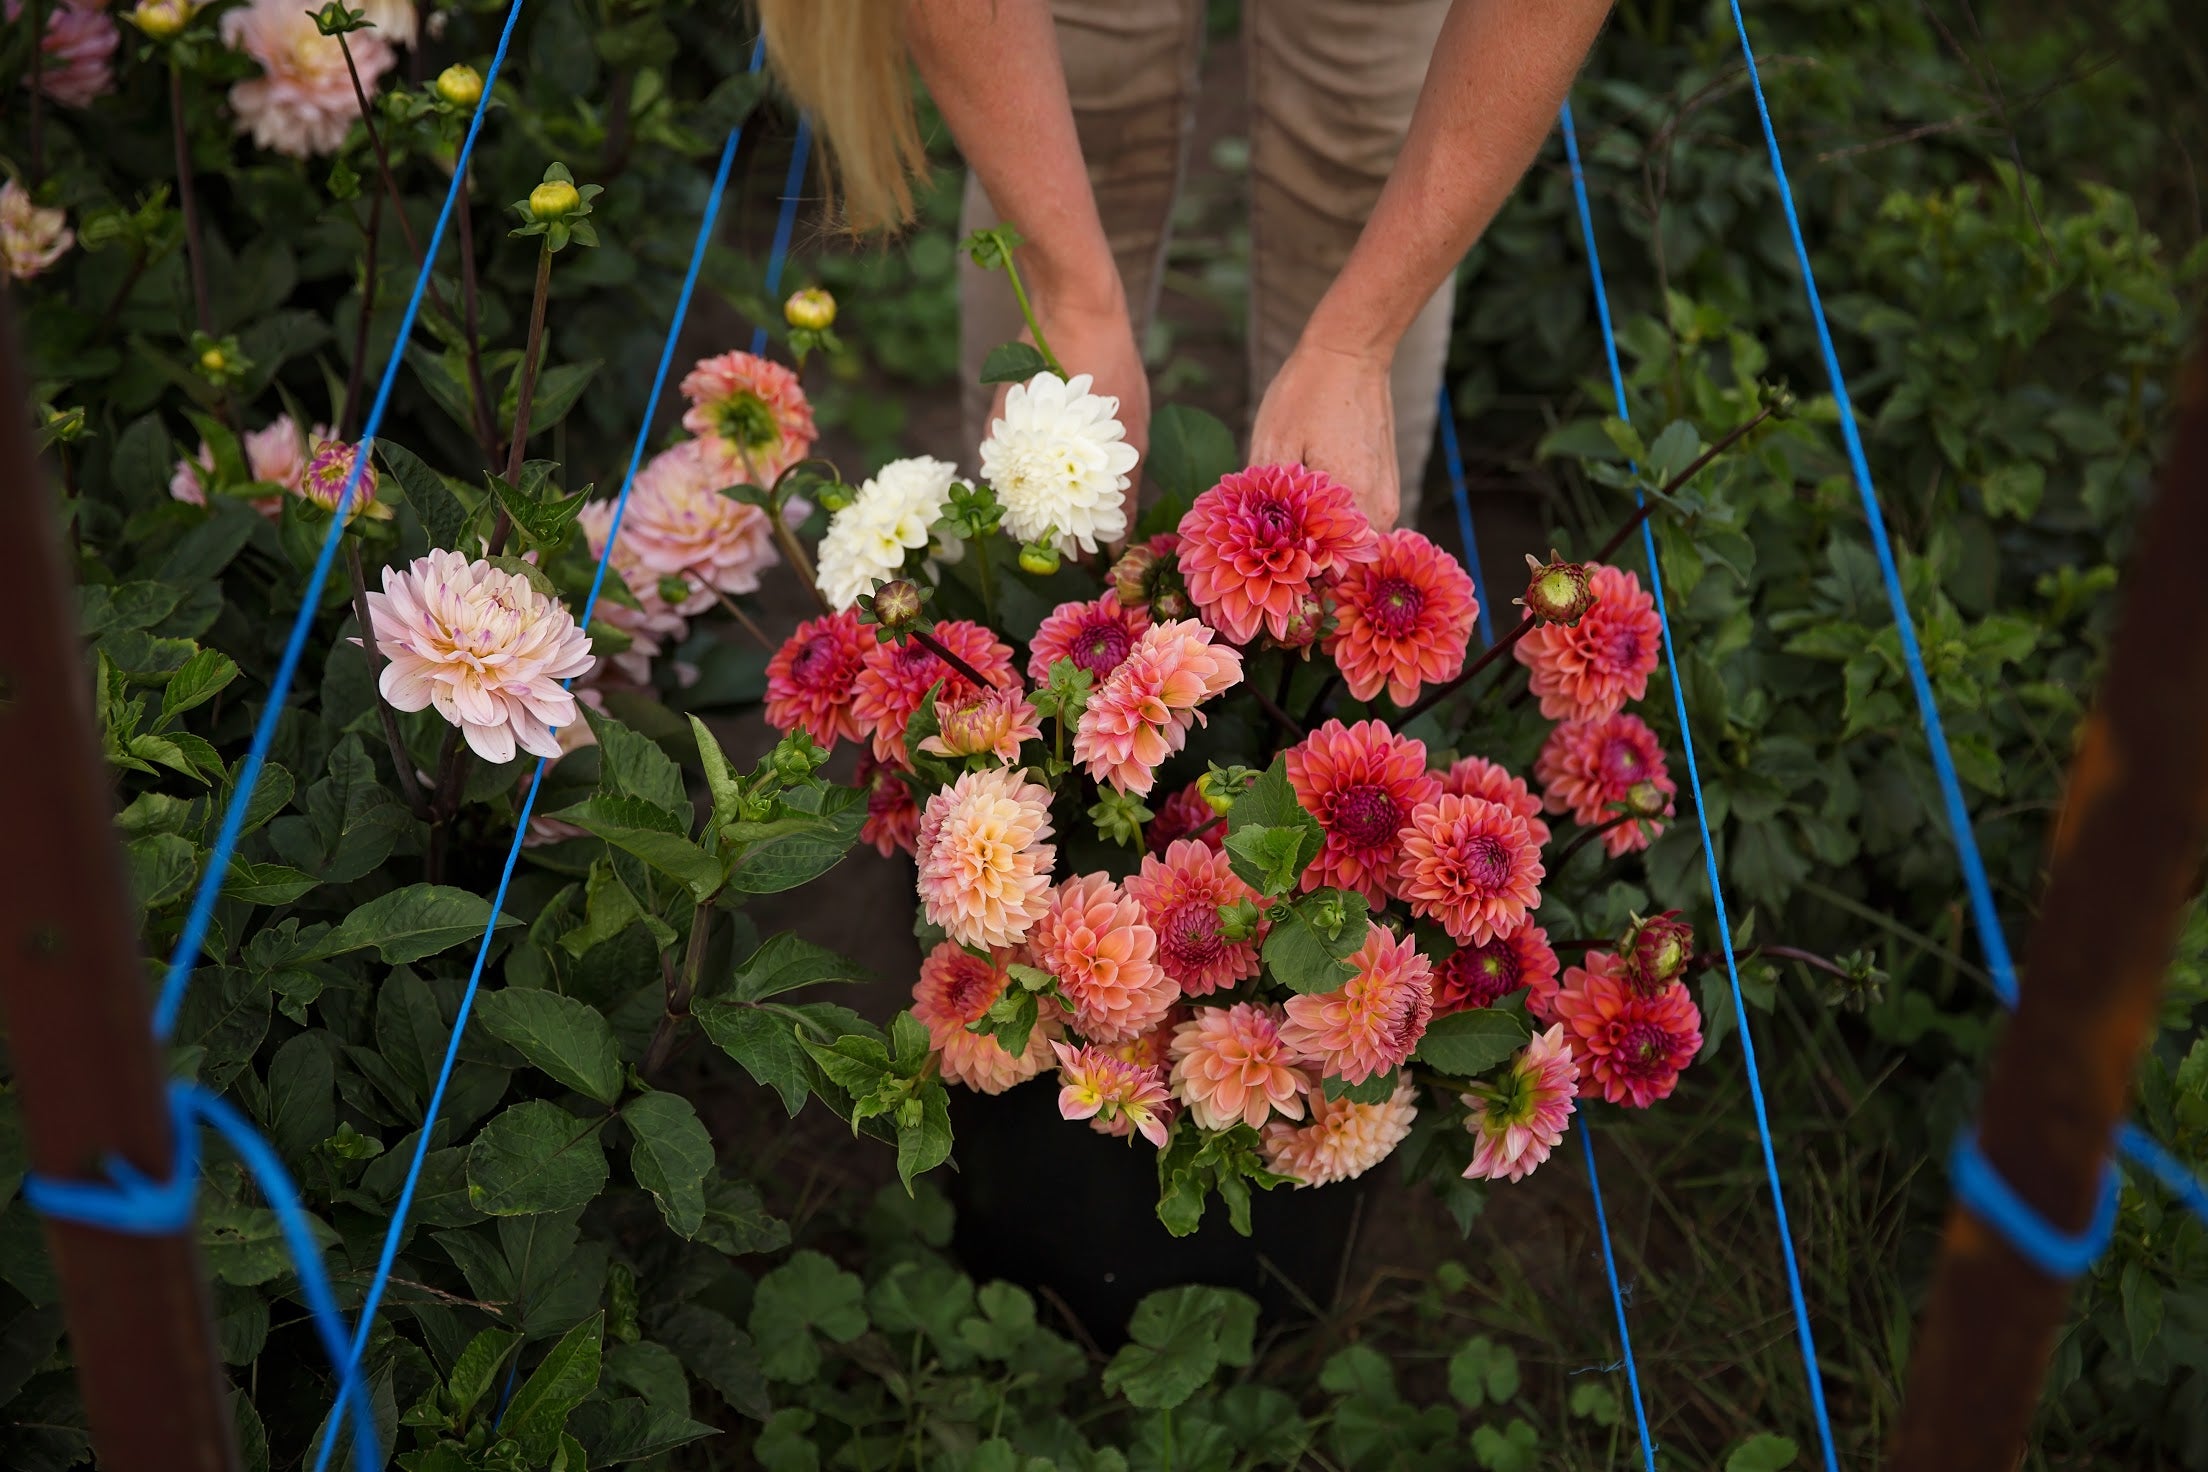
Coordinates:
[214,362]
[1131,574]
[1239,921]
[812,309]
[1039,559]
[1171,605]
[1219,802]
[1119,817]
[1656,950]
[1646,800]
[1147,575]
[1559,592]
[897,605]
[62,426]
[796,758]
[554,199]
[1305,623]
[161,20]
[329,470]
[1777,398]
[461,85]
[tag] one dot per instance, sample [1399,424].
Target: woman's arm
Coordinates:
[1499,72]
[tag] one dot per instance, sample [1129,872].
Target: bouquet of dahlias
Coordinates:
[1194,832]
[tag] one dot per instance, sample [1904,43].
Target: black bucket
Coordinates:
[1071,1214]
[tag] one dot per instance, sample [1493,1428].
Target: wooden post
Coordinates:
[75,993]
[2126,851]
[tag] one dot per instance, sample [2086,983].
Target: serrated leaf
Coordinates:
[671,1157]
[568,1039]
[535,1157]
[1181,1338]
[444,518]
[652,834]
[408,924]
[1468,1044]
[537,1414]
[1305,958]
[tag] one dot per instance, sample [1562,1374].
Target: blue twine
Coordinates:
[1617,1295]
[389,1255]
[131,1203]
[202,912]
[1454,459]
[1994,1201]
[1803,1334]
[1992,939]
[793,182]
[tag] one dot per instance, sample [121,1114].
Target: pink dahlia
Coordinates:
[1476,776]
[1631,1043]
[484,647]
[1256,547]
[275,455]
[1092,937]
[810,679]
[892,817]
[992,722]
[1482,975]
[957,987]
[302,102]
[752,417]
[984,864]
[1361,782]
[1096,636]
[1590,669]
[1405,619]
[1516,1121]
[1472,865]
[653,624]
[329,471]
[679,525]
[895,677]
[1180,895]
[78,64]
[1186,814]
[1373,1021]
[1116,1096]
[1141,713]
[1590,768]
[1343,1139]
[1231,1066]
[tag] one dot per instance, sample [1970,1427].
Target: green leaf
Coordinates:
[207,549]
[408,924]
[476,1371]
[566,1038]
[1482,1371]
[1671,452]
[535,1157]
[803,855]
[1269,860]
[557,392]
[1468,1044]
[653,834]
[444,518]
[1181,1338]
[1516,1448]
[1596,1402]
[538,1413]
[1270,802]
[1302,955]
[786,963]
[1762,1453]
[925,1143]
[808,1294]
[736,1222]
[719,779]
[1013,362]
[1377,1089]
[199,681]
[544,522]
[1189,452]
[265,884]
[670,1156]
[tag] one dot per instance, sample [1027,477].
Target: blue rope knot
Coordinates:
[129,1201]
[1990,1198]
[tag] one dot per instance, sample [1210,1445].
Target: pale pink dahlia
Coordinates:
[654,623]
[1343,1139]
[1096,636]
[1476,776]
[32,237]
[1516,1121]
[992,722]
[276,455]
[302,103]
[1256,547]
[1405,619]
[1231,1066]
[892,817]
[984,864]
[1186,814]
[484,647]
[957,987]
[329,470]
[1590,669]
[78,64]
[1361,782]
[1631,1043]
[751,415]
[895,677]
[1141,713]
[811,678]
[1092,937]
[1482,975]
[680,525]
[1180,895]
[1590,768]
[1372,1022]
[1472,865]
[1115,1096]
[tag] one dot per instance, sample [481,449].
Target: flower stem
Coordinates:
[682,988]
[1442,692]
[736,613]
[383,159]
[935,647]
[486,419]
[1284,722]
[988,580]
[524,396]
[400,760]
[187,200]
[1672,487]
[37,161]
[356,376]
[1035,329]
[1587,836]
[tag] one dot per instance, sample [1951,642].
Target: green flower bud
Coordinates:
[1039,559]
[461,85]
[812,309]
[554,199]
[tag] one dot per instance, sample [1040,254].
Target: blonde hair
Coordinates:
[843,62]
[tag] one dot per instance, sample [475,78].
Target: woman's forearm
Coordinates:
[1499,72]
[993,69]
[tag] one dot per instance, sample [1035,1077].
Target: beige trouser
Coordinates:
[1331,83]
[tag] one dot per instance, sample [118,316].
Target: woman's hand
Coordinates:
[1330,408]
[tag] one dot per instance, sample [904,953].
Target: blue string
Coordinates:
[1803,1334]
[1994,1201]
[389,1255]
[792,183]
[1454,458]
[202,912]
[1992,939]
[1617,1295]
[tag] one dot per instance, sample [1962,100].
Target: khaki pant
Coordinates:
[1331,88]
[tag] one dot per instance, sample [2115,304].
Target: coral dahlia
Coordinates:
[1231,1066]
[1633,1044]
[1361,782]
[1590,669]
[1516,1121]
[1482,975]
[1141,713]
[811,679]
[984,864]
[992,722]
[1472,865]
[895,677]
[1186,814]
[892,817]
[1476,776]
[1092,937]
[1405,618]
[751,415]
[1096,636]
[1180,894]
[1343,1139]
[1374,1020]
[957,987]
[1587,768]
[1116,1096]
[1255,547]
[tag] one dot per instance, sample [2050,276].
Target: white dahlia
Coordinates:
[1059,462]
[890,515]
